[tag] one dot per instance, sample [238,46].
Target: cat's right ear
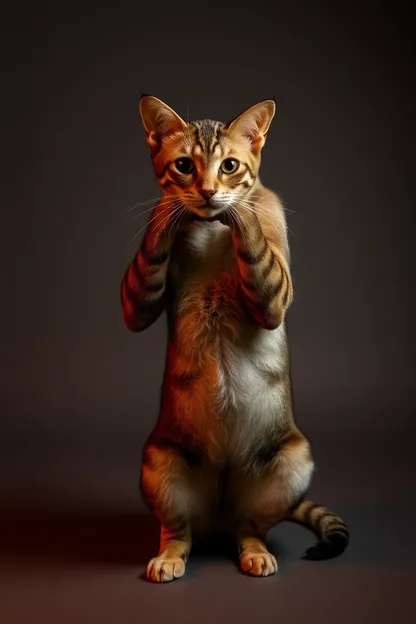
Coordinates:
[254,124]
[159,119]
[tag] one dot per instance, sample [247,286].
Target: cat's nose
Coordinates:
[207,193]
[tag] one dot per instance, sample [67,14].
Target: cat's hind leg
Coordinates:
[265,495]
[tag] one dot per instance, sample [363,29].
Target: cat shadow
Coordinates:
[61,538]
[103,539]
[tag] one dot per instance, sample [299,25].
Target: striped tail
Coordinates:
[331,529]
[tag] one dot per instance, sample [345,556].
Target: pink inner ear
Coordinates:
[160,119]
[166,123]
[249,126]
[254,123]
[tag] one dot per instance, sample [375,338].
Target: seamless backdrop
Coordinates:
[79,393]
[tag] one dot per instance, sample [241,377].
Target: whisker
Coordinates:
[148,201]
[141,214]
[150,221]
[281,203]
[236,216]
[172,214]
[177,218]
[139,204]
[291,232]
[266,212]
[167,202]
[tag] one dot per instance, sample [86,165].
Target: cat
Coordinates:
[225,450]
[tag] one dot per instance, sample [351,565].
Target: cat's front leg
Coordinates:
[144,285]
[180,488]
[263,270]
[168,494]
[173,554]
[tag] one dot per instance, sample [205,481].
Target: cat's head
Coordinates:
[207,166]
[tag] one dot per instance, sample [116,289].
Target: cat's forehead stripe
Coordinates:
[207,135]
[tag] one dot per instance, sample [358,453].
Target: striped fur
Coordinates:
[144,286]
[225,452]
[265,279]
[331,530]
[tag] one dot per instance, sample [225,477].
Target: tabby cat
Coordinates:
[225,451]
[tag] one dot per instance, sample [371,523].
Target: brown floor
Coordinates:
[82,560]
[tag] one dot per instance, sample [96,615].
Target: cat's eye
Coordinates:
[229,165]
[184,165]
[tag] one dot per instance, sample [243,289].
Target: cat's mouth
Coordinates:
[208,210]
[208,204]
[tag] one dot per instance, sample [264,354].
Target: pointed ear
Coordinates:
[159,119]
[254,123]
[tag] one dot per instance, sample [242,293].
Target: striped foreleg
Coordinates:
[143,288]
[264,275]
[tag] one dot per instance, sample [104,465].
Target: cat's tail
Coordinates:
[331,530]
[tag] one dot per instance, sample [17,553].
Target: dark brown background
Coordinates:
[80,393]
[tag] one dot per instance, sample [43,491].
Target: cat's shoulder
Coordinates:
[270,198]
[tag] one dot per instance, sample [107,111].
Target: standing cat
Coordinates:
[215,256]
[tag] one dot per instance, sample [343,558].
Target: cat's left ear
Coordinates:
[159,119]
[254,123]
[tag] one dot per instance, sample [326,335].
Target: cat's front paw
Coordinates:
[164,569]
[258,564]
